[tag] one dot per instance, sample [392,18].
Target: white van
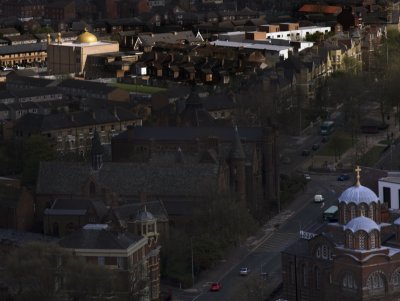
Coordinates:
[318,198]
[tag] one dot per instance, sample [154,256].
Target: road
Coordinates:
[265,255]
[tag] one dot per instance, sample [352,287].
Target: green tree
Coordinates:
[40,271]
[36,149]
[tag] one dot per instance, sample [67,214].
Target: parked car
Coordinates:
[307,177]
[244,271]
[305,152]
[343,177]
[215,286]
[318,198]
[315,146]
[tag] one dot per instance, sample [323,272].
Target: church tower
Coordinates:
[237,167]
[96,152]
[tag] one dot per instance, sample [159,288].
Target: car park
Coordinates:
[343,177]
[215,286]
[244,271]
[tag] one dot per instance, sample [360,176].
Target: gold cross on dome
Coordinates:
[358,170]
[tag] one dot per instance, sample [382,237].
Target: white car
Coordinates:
[244,271]
[318,198]
[307,177]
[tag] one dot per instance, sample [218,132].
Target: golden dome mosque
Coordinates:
[70,57]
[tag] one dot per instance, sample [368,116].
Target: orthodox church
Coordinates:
[355,258]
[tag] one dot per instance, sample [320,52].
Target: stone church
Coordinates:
[249,156]
[355,258]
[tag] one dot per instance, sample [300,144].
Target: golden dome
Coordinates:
[86,37]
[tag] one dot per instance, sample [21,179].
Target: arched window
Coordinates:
[305,275]
[318,252]
[317,278]
[350,244]
[371,211]
[352,211]
[349,282]
[362,210]
[376,283]
[396,279]
[372,239]
[362,240]
[292,273]
[92,188]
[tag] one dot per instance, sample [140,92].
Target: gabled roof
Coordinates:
[23,48]
[320,8]
[129,211]
[128,179]
[99,239]
[190,133]
[150,39]
[73,120]
[86,85]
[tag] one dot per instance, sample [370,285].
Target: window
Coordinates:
[100,260]
[396,279]
[292,273]
[373,240]
[317,278]
[349,282]
[305,275]
[376,283]
[350,240]
[362,240]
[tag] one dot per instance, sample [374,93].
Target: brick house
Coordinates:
[134,258]
[16,206]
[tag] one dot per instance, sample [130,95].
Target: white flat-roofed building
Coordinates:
[299,34]
[281,51]
[389,190]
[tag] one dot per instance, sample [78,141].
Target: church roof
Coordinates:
[128,179]
[362,223]
[358,194]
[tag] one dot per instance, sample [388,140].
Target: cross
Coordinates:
[358,170]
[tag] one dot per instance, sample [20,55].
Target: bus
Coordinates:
[330,214]
[327,127]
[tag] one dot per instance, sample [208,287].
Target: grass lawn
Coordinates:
[372,156]
[138,88]
[339,142]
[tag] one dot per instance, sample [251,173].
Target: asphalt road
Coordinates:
[265,256]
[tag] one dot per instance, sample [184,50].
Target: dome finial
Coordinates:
[358,170]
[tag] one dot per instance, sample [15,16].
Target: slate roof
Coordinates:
[129,211]
[86,85]
[128,179]
[99,239]
[23,48]
[190,133]
[76,207]
[9,236]
[170,38]
[21,93]
[72,120]
[14,79]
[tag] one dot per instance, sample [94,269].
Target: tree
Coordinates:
[40,271]
[36,149]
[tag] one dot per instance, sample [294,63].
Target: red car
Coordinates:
[215,287]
